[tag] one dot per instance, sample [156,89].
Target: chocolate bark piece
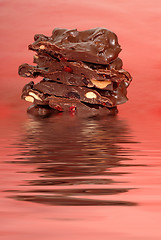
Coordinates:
[83,94]
[65,77]
[45,105]
[40,92]
[116,96]
[92,72]
[45,60]
[76,73]
[70,107]
[88,70]
[31,95]
[98,45]
[79,108]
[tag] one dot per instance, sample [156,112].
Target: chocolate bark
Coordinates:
[98,45]
[60,105]
[40,92]
[75,73]
[45,60]
[82,73]
[45,105]
[65,77]
[79,108]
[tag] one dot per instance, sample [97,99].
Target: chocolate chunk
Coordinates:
[98,45]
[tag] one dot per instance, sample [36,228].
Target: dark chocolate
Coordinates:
[76,107]
[40,111]
[75,73]
[118,95]
[81,73]
[98,45]
[71,106]
[40,92]
[54,64]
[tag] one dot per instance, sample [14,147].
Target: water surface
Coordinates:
[67,172]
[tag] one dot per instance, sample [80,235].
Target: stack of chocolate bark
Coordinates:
[81,72]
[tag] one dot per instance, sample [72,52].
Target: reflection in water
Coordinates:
[74,160]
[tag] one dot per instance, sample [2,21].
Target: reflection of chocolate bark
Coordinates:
[97,45]
[40,111]
[68,161]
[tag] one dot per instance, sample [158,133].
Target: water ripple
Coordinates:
[67,155]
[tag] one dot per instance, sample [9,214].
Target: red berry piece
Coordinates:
[60,109]
[104,104]
[72,108]
[64,59]
[68,69]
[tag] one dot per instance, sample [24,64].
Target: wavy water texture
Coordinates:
[75,163]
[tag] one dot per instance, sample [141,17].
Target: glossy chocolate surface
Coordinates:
[76,65]
[77,73]
[69,106]
[97,45]
[42,90]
